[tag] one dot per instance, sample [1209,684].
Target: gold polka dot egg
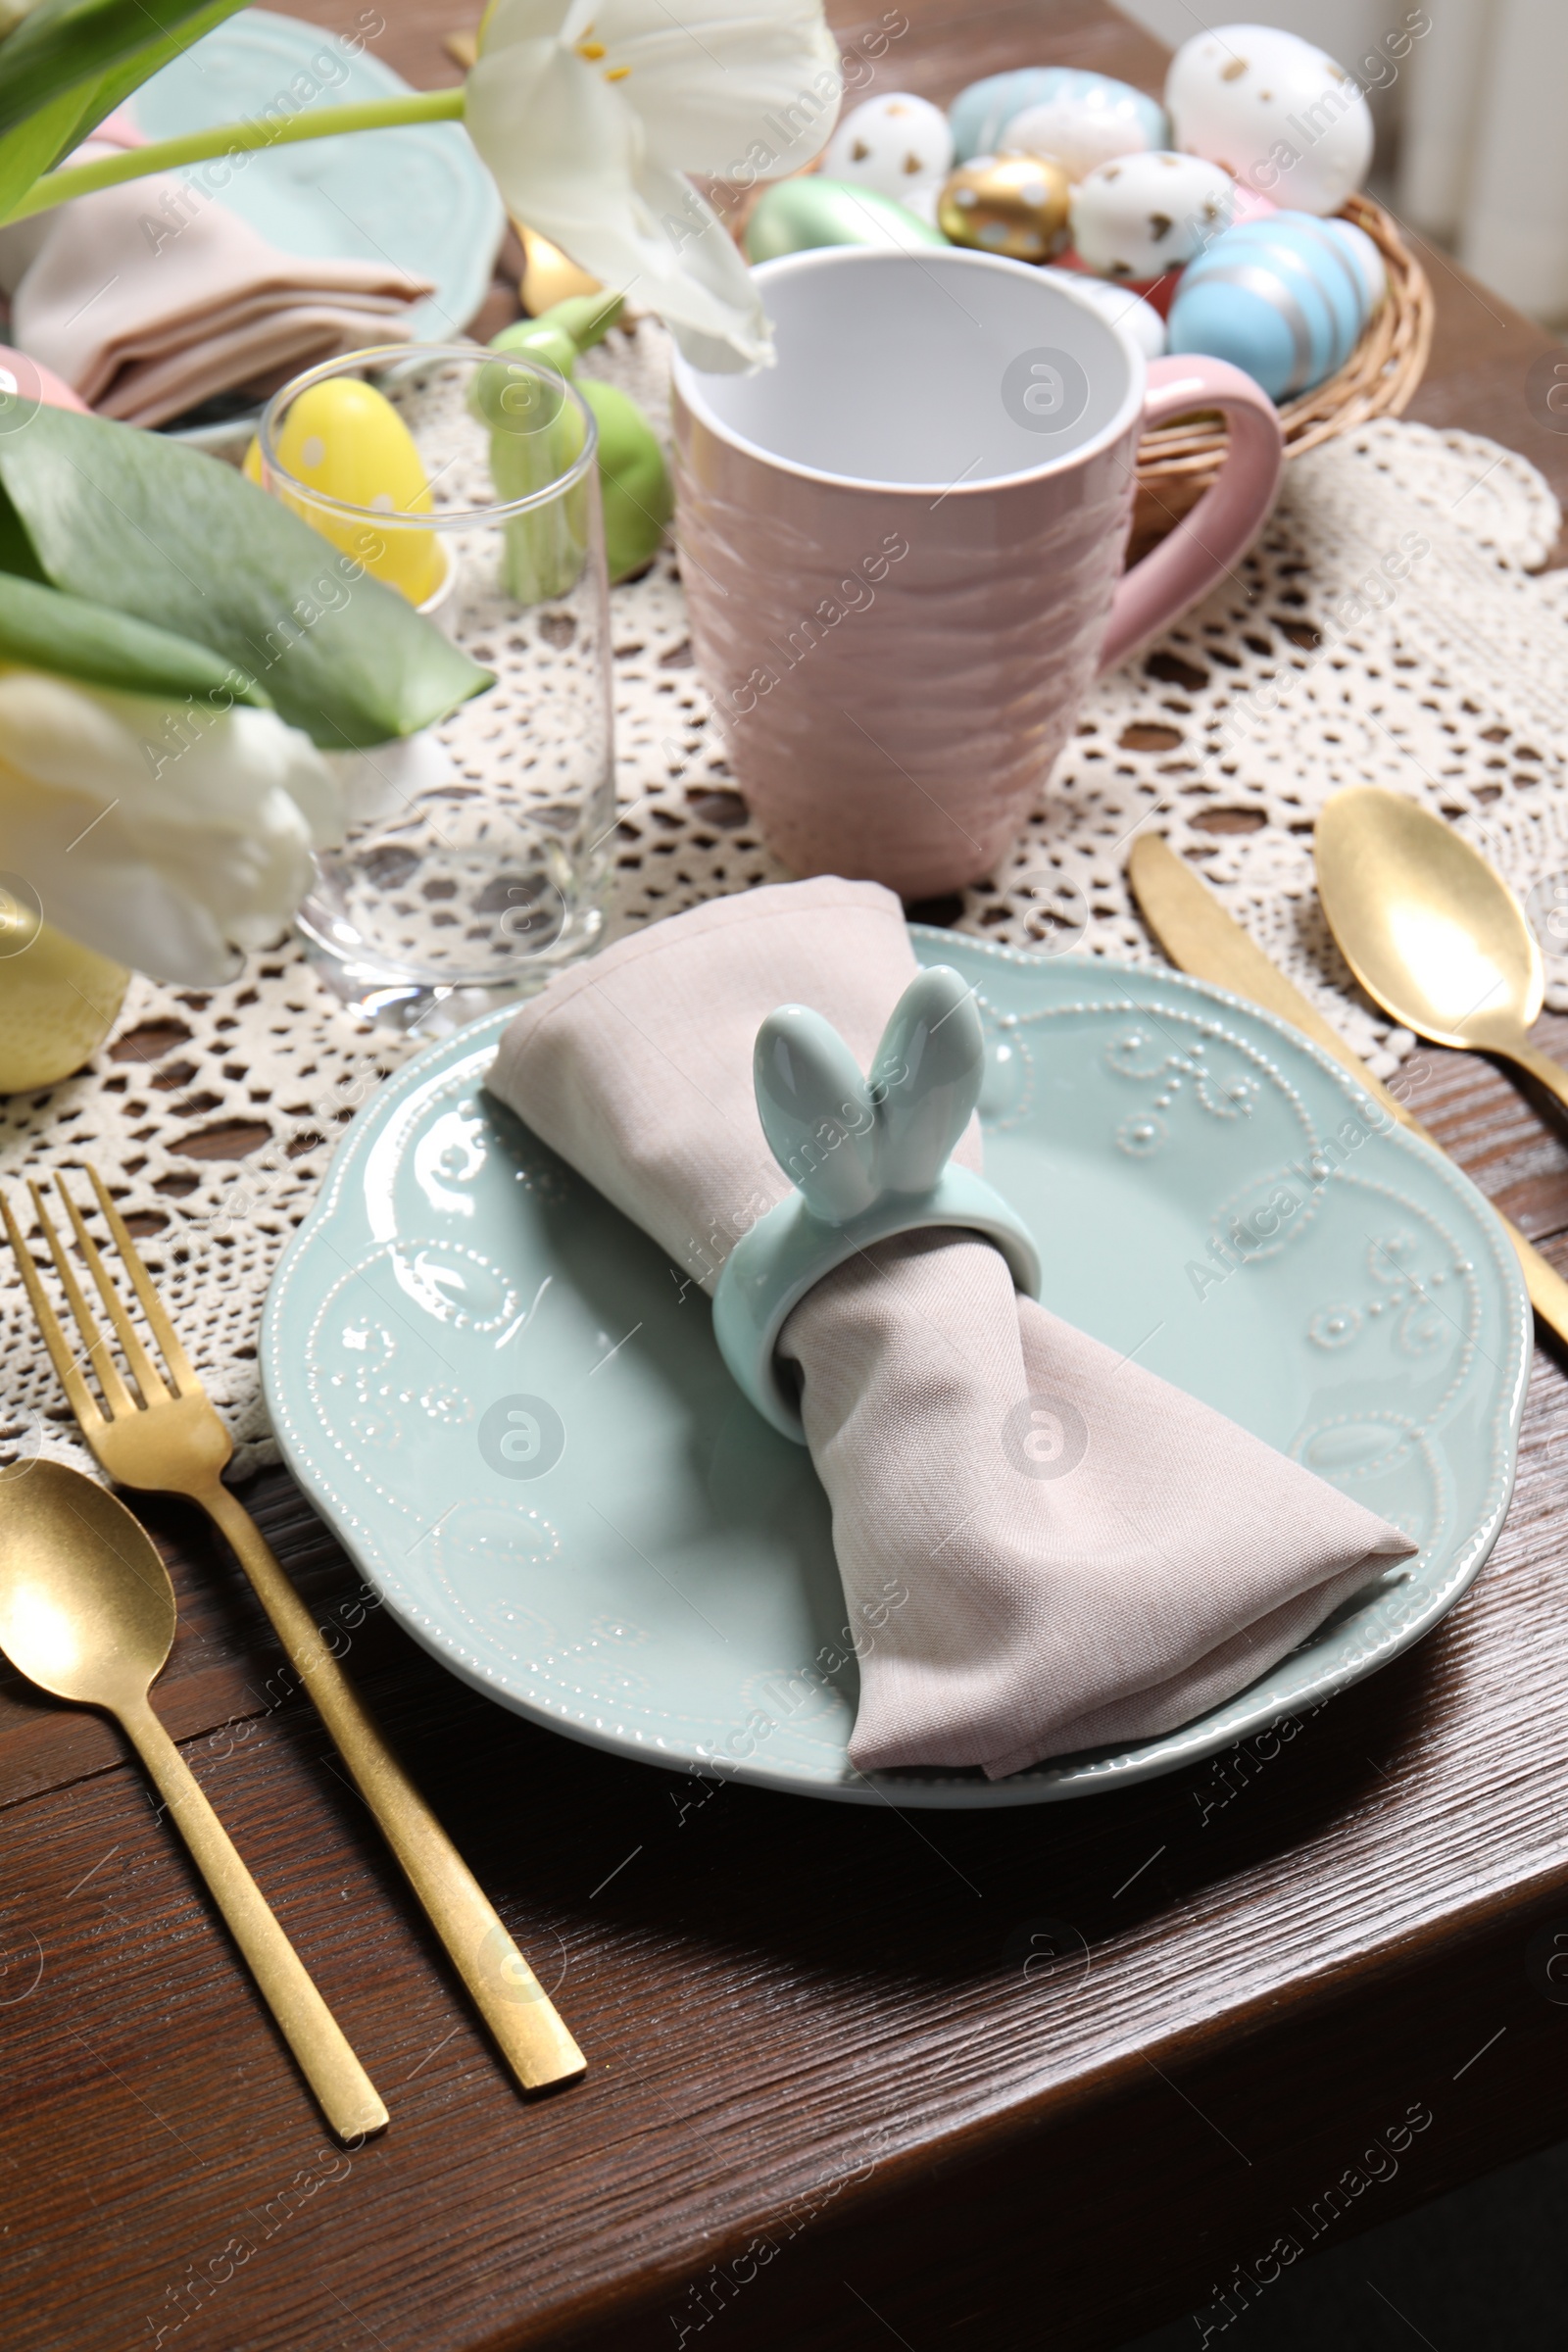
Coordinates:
[345,440]
[900,146]
[1144,214]
[1014,204]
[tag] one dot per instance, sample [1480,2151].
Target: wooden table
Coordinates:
[858,2078]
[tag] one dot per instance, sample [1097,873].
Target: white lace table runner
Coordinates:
[1385,631]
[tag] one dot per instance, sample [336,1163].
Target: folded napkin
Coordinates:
[1171,1562]
[151,298]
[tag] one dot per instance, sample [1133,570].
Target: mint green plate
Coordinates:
[511,1410]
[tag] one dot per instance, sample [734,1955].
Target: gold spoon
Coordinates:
[87,1612]
[1431,930]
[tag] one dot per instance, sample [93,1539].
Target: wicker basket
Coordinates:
[1177,463]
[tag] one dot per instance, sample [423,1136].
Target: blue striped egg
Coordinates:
[979,114]
[1370,265]
[1283,297]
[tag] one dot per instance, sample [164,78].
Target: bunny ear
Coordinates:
[926,1080]
[816,1111]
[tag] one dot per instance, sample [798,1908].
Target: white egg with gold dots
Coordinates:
[898,145]
[1278,114]
[1147,214]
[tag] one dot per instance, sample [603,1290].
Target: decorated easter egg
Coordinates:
[1276,112]
[58,999]
[899,145]
[1370,266]
[1281,298]
[1089,120]
[1303,244]
[346,440]
[1121,306]
[24,386]
[981,114]
[794,215]
[1014,204]
[1145,214]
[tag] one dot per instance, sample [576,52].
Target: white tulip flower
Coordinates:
[165,835]
[590,111]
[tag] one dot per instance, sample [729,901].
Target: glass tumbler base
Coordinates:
[392,998]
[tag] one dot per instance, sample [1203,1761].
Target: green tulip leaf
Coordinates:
[43,628]
[17,554]
[112,88]
[30,147]
[100,49]
[161,531]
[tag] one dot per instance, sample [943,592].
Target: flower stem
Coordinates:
[234,140]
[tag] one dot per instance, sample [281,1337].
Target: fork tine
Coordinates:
[152,1306]
[83,1404]
[95,1345]
[144,1370]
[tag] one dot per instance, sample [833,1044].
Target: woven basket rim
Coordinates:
[1378,379]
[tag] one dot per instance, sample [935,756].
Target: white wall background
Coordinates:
[1340,27]
[1475,126]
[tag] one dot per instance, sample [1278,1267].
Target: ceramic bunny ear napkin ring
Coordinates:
[868,1157]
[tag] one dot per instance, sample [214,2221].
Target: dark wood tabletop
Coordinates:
[859,2078]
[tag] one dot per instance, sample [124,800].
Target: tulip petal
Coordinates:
[165,835]
[529,34]
[115,899]
[732,89]
[574,170]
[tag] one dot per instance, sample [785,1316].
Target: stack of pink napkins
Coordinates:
[149,298]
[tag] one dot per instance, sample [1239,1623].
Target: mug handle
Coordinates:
[1205,544]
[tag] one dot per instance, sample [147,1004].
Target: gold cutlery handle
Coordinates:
[1549,1293]
[346,2094]
[504,1989]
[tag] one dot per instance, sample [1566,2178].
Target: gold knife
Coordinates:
[1200,938]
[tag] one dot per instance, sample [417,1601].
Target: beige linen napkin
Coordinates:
[1171,1563]
[150,298]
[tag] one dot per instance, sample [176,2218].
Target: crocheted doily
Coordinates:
[1384,631]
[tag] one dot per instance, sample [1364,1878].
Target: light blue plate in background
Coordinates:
[510,1410]
[415,194]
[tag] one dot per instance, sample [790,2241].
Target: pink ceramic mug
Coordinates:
[902,544]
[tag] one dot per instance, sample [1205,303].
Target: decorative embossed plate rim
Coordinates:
[1470,1446]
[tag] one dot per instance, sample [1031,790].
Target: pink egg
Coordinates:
[24,378]
[1251,205]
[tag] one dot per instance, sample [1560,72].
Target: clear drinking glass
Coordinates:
[477,853]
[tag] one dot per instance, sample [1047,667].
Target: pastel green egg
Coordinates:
[539,339]
[634,482]
[795,215]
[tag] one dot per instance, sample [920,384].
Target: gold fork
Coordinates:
[170,1439]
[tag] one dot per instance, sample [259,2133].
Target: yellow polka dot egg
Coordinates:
[345,439]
